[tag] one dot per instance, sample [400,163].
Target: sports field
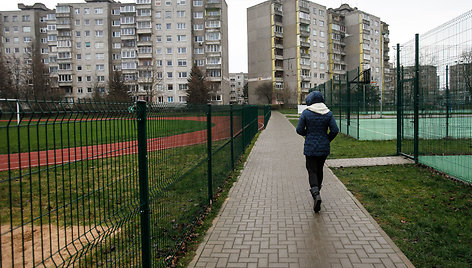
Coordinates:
[459,127]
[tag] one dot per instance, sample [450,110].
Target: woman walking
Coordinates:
[313,124]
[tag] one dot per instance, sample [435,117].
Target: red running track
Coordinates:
[220,130]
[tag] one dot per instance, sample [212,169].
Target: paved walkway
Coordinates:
[268,220]
[371,161]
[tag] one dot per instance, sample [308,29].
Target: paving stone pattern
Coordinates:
[268,219]
[372,161]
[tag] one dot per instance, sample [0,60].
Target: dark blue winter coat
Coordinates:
[314,123]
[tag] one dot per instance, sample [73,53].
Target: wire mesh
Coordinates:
[444,98]
[70,181]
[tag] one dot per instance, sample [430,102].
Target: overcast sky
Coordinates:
[405,17]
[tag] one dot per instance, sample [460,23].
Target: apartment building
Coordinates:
[24,32]
[153,43]
[297,45]
[237,82]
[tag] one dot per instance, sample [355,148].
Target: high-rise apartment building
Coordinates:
[23,33]
[153,43]
[296,45]
[237,82]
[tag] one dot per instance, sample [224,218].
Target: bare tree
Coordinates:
[265,91]
[285,95]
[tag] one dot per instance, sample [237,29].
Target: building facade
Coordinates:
[153,43]
[296,45]
[237,82]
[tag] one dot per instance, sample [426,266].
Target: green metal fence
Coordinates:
[100,184]
[435,98]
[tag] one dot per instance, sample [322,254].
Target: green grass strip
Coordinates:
[427,216]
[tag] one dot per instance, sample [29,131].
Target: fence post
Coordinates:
[348,103]
[399,104]
[209,145]
[358,102]
[416,96]
[447,101]
[232,134]
[143,184]
[340,103]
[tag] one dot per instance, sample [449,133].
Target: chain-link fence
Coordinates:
[100,184]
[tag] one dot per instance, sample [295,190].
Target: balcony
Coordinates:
[144,55]
[144,31]
[63,26]
[213,4]
[304,32]
[304,44]
[304,54]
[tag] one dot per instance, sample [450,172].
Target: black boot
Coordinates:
[315,192]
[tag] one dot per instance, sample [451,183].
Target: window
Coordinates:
[181,26]
[169,50]
[115,12]
[100,56]
[26,29]
[169,74]
[322,33]
[169,62]
[101,78]
[181,13]
[170,99]
[322,44]
[199,38]
[169,38]
[62,9]
[128,54]
[15,28]
[168,26]
[197,3]
[117,45]
[181,2]
[89,90]
[199,50]
[116,23]
[80,90]
[158,26]
[5,18]
[52,38]
[182,50]
[182,74]
[98,33]
[170,87]
[127,31]
[88,56]
[321,12]
[182,62]
[181,38]
[127,20]
[86,22]
[78,56]
[213,36]
[16,40]
[26,39]
[87,33]
[158,51]
[213,24]
[198,15]
[158,39]
[79,67]
[182,99]
[168,2]
[213,60]
[159,63]
[87,11]
[98,10]
[198,26]
[321,23]
[158,15]
[116,34]
[200,62]
[99,22]
[182,86]
[168,15]
[100,67]
[99,45]
[7,50]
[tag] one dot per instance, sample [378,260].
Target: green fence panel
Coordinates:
[74,188]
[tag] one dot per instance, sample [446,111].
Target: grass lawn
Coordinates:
[344,146]
[427,216]
[55,135]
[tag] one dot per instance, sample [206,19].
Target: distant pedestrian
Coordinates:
[313,124]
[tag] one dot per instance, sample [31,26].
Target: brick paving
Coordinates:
[268,220]
[371,161]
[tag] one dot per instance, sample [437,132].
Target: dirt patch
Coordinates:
[55,245]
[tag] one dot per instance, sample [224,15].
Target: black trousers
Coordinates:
[314,166]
